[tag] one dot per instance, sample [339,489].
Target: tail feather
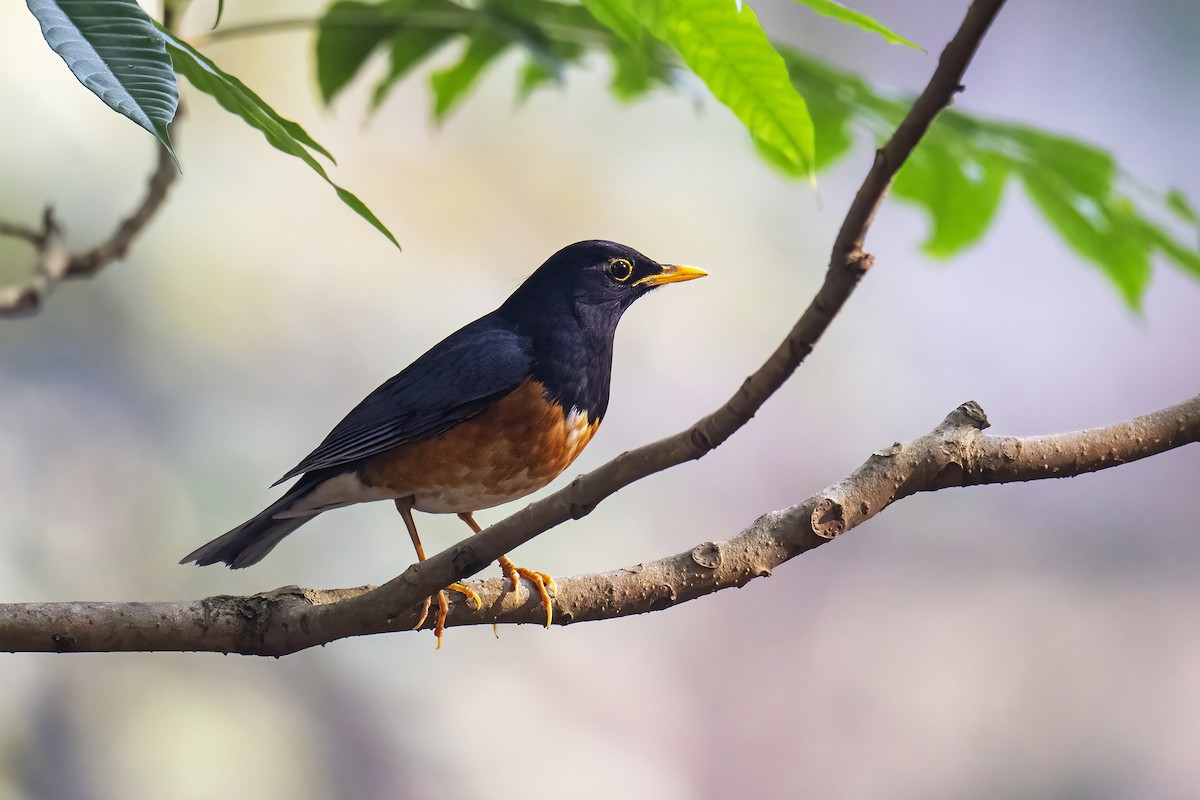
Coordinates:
[250,542]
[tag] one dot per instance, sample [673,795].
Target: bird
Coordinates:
[496,410]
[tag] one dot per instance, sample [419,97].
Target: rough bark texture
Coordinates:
[955,453]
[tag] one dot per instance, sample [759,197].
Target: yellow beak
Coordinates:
[671,273]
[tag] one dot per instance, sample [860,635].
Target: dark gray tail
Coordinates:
[250,542]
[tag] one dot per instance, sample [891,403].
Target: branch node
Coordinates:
[700,439]
[828,518]
[707,555]
[969,415]
[858,263]
[890,451]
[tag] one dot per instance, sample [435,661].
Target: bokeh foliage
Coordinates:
[801,114]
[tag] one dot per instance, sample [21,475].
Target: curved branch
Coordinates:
[955,453]
[55,263]
[288,620]
[847,265]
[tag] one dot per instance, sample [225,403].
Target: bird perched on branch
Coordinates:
[494,411]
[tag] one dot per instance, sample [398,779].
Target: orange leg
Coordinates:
[443,604]
[540,580]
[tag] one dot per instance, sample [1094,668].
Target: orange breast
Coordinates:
[513,448]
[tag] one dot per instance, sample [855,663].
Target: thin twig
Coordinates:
[21,232]
[55,264]
[955,453]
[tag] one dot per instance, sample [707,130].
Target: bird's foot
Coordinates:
[439,625]
[540,580]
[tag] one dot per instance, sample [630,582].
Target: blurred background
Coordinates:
[1018,641]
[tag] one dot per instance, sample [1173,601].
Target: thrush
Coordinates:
[494,411]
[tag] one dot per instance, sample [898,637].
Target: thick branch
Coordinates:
[55,263]
[955,453]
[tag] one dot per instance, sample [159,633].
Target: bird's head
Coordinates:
[596,278]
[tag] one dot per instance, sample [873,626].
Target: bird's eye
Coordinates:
[620,269]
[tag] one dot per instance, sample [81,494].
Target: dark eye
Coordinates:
[619,269]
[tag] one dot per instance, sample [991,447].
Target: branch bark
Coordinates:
[955,453]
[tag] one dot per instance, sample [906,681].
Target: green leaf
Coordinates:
[1183,257]
[547,68]
[832,137]
[1177,201]
[1086,169]
[283,134]
[451,85]
[728,50]
[534,75]
[614,15]
[849,16]
[220,11]
[636,70]
[835,101]
[116,51]
[801,118]
[408,48]
[347,33]
[960,190]
[1110,236]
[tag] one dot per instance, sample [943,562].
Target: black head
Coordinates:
[596,279]
[570,308]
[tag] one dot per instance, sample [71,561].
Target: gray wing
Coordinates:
[458,378]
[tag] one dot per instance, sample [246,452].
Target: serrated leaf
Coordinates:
[1177,201]
[451,85]
[285,135]
[116,51]
[728,50]
[960,190]
[841,13]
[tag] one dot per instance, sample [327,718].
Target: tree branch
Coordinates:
[291,619]
[55,263]
[847,265]
[955,453]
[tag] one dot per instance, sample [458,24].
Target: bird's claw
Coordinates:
[469,593]
[439,625]
[540,581]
